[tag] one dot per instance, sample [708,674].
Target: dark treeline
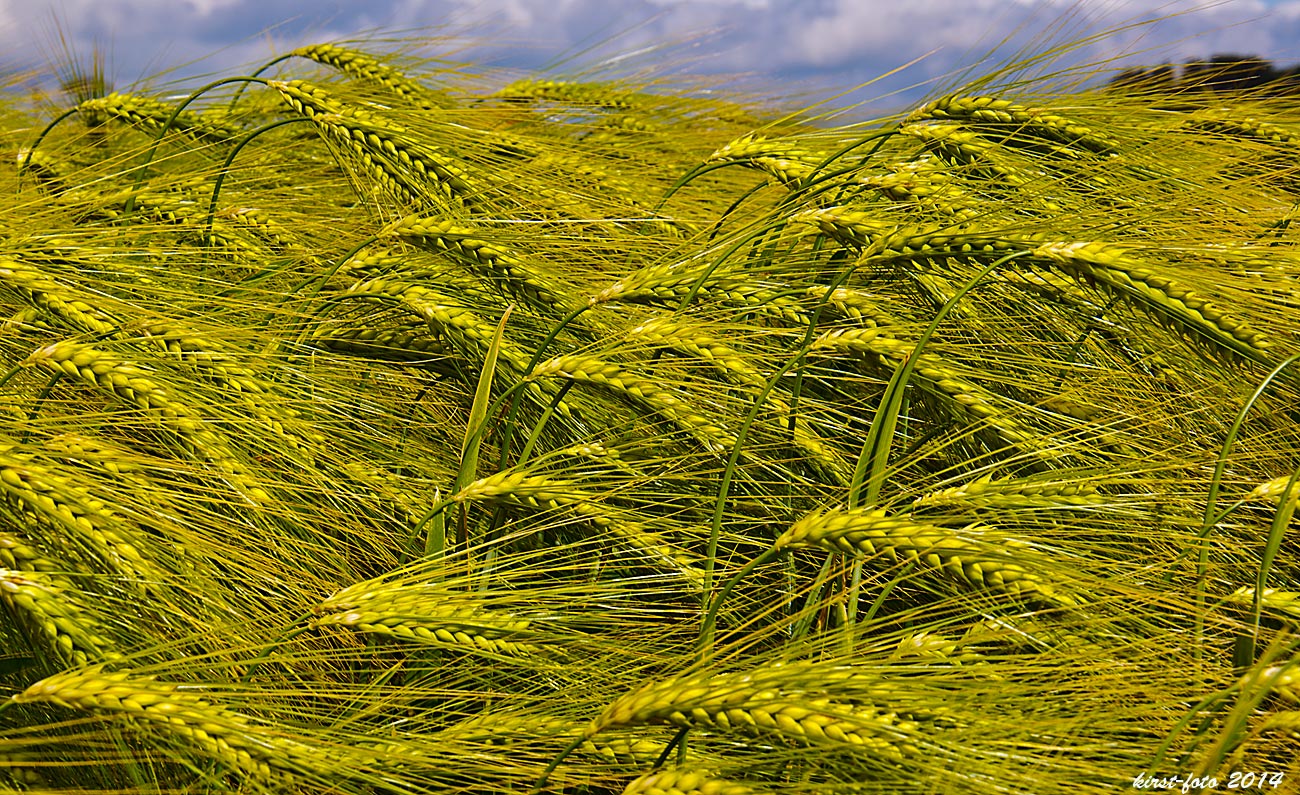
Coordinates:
[1220,73]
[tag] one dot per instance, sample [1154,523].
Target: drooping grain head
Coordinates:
[420,614]
[365,67]
[685,781]
[644,391]
[759,703]
[151,115]
[966,556]
[1010,120]
[48,605]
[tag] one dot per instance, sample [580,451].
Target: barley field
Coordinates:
[377,425]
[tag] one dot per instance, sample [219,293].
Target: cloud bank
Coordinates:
[783,44]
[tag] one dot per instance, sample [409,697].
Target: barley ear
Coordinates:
[971,556]
[685,781]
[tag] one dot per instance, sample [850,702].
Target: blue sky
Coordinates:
[810,46]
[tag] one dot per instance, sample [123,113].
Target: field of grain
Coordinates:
[380,426]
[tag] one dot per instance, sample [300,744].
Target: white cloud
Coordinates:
[851,31]
[209,7]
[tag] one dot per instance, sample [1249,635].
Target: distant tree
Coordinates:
[1161,78]
[1285,83]
[1227,72]
[1219,73]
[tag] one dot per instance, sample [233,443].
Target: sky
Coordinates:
[808,48]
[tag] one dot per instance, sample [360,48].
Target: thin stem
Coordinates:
[677,740]
[711,617]
[31,150]
[157,141]
[508,427]
[875,451]
[269,649]
[240,91]
[715,529]
[230,159]
[1203,536]
[555,763]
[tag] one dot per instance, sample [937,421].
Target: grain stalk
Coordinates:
[516,275]
[227,737]
[138,387]
[415,172]
[1120,270]
[925,185]
[977,155]
[686,782]
[42,493]
[48,603]
[549,494]
[569,92]
[420,614]
[1010,493]
[358,64]
[518,729]
[773,702]
[153,116]
[668,333]
[938,377]
[1014,119]
[788,164]
[641,390]
[446,317]
[973,556]
[54,299]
